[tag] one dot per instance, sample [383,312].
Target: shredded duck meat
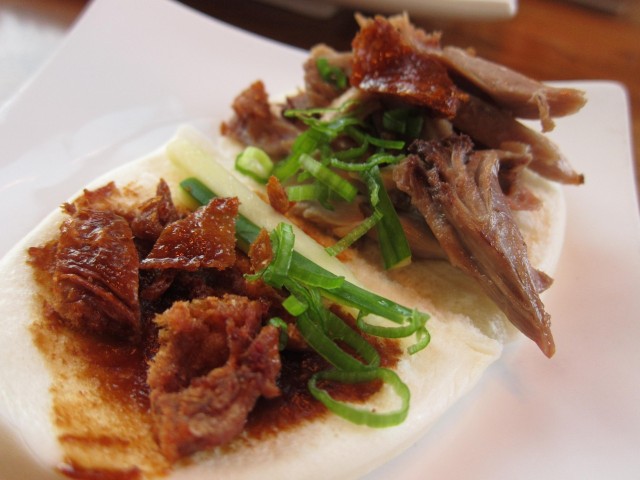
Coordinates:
[393,67]
[459,195]
[492,127]
[257,124]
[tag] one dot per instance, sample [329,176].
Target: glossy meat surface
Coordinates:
[215,360]
[384,63]
[459,195]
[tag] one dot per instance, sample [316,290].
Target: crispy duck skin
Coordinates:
[459,195]
[394,58]
[205,238]
[384,63]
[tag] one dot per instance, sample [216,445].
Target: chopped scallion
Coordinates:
[294,305]
[407,122]
[282,327]
[255,163]
[394,246]
[330,286]
[374,160]
[301,193]
[331,74]
[359,415]
[331,179]
[354,235]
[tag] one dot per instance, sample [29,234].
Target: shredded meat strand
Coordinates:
[490,126]
[460,198]
[256,124]
[517,93]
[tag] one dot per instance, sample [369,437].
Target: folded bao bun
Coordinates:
[468,333]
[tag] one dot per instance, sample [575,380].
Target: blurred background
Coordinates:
[545,39]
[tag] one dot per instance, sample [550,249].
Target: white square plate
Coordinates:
[130,73]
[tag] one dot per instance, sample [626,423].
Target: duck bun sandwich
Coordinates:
[305,293]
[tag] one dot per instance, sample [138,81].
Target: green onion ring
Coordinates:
[358,415]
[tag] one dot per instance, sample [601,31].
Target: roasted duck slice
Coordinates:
[459,195]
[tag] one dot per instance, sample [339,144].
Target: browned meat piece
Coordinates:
[277,195]
[260,251]
[512,91]
[155,214]
[490,126]
[103,198]
[385,63]
[255,123]
[513,158]
[94,274]
[524,97]
[203,239]
[318,92]
[215,360]
[421,241]
[460,198]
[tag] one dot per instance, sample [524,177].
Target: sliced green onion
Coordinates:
[416,325]
[405,121]
[282,327]
[395,120]
[374,160]
[331,74]
[354,234]
[282,241]
[360,415]
[198,190]
[340,291]
[424,337]
[401,331]
[314,278]
[305,114]
[388,144]
[337,329]
[307,142]
[326,176]
[361,136]
[354,152]
[319,327]
[301,193]
[394,245]
[255,163]
[317,339]
[294,305]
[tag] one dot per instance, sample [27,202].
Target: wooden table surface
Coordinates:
[547,39]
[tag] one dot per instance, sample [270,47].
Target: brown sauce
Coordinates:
[81,473]
[117,375]
[100,394]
